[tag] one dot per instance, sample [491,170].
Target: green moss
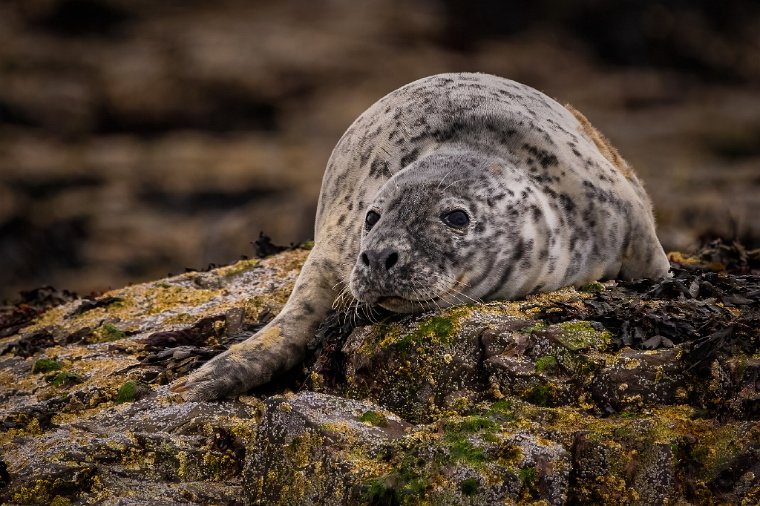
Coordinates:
[414,488]
[581,335]
[405,485]
[117,303]
[468,425]
[127,392]
[533,328]
[547,363]
[469,486]
[436,329]
[528,476]
[540,395]
[442,328]
[508,453]
[593,287]
[60,501]
[238,267]
[308,245]
[45,365]
[379,492]
[503,406]
[374,418]
[64,379]
[464,451]
[109,332]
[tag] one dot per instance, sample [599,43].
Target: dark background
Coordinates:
[139,137]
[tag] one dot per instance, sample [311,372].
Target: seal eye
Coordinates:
[371,219]
[456,219]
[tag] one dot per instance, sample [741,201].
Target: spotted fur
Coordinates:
[548,201]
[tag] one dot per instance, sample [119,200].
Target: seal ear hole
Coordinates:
[456,219]
[371,219]
[365,259]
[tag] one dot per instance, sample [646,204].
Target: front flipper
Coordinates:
[277,347]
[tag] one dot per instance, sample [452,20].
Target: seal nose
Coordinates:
[377,259]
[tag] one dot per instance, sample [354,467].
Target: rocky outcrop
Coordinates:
[616,393]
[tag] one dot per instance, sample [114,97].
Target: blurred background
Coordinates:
[139,138]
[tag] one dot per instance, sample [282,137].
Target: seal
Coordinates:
[454,188]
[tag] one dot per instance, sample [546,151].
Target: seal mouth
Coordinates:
[392,299]
[403,305]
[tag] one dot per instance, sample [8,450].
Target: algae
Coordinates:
[45,365]
[469,486]
[374,418]
[127,392]
[64,379]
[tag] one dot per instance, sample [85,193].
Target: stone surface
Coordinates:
[536,400]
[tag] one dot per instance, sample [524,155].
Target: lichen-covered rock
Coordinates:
[84,416]
[638,378]
[420,366]
[319,449]
[617,393]
[155,442]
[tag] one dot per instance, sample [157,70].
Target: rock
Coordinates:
[536,400]
[637,379]
[319,449]
[420,366]
[85,415]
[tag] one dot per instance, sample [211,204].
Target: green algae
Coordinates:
[407,484]
[539,325]
[547,364]
[127,392]
[581,335]
[439,327]
[64,379]
[468,425]
[374,418]
[108,332]
[540,395]
[528,475]
[503,406]
[469,486]
[435,329]
[463,450]
[45,365]
[593,287]
[238,267]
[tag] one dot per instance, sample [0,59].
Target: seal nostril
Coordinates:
[365,259]
[391,260]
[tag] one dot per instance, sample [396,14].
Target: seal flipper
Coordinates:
[644,256]
[279,346]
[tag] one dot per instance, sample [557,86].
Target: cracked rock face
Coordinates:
[634,393]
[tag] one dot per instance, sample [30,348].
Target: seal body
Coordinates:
[452,189]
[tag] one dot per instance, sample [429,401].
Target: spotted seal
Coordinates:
[454,188]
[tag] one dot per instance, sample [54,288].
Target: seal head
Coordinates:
[433,231]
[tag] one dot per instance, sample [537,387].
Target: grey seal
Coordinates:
[454,188]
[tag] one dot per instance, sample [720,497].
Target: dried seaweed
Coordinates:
[18,314]
[712,301]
